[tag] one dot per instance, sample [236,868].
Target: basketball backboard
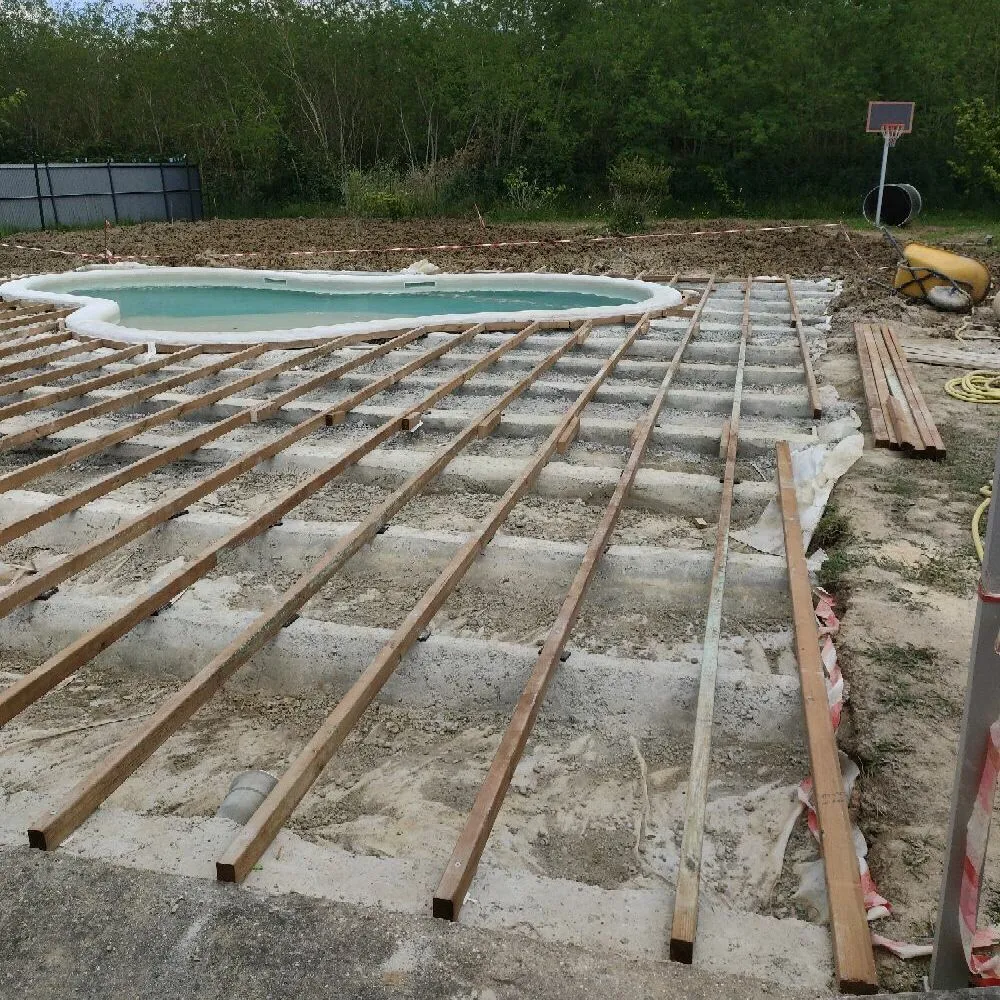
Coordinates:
[882,113]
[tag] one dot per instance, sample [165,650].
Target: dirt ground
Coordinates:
[901,561]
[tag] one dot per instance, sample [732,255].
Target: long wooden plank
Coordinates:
[190,442]
[814,403]
[128,398]
[30,587]
[33,343]
[44,400]
[918,405]
[926,354]
[880,431]
[881,384]
[41,360]
[247,848]
[65,371]
[88,795]
[465,857]
[899,411]
[852,942]
[685,921]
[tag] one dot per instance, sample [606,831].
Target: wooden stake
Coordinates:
[685,922]
[852,942]
[464,861]
[814,404]
[264,825]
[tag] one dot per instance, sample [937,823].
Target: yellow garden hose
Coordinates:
[982,386]
[977,539]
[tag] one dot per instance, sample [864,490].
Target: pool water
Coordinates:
[216,308]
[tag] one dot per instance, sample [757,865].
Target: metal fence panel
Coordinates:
[43,195]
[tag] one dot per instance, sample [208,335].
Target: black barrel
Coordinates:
[901,203]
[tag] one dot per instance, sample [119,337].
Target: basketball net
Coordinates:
[892,132]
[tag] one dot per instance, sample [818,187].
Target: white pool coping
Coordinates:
[100,318]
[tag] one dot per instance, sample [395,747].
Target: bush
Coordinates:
[639,186]
[977,139]
[378,193]
[528,194]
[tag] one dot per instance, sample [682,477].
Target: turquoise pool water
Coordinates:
[217,308]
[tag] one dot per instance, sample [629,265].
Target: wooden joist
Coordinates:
[814,403]
[247,848]
[852,943]
[82,801]
[464,860]
[899,416]
[685,920]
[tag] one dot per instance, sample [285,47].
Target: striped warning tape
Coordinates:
[430,248]
[985,970]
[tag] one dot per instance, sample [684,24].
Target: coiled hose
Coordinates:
[981,386]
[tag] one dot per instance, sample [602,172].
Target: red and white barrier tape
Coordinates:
[500,245]
[985,970]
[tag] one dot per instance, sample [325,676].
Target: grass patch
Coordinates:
[834,530]
[836,536]
[915,660]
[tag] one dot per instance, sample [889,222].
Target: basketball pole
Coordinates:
[881,181]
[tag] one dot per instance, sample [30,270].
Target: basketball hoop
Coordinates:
[892,119]
[891,131]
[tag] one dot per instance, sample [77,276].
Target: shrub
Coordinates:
[528,194]
[639,186]
[977,139]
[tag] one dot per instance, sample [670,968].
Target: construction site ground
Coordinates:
[135,912]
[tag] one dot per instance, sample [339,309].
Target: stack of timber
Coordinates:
[898,414]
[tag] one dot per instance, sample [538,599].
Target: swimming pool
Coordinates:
[235,306]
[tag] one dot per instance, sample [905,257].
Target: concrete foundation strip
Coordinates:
[685,920]
[22,330]
[855,962]
[238,860]
[464,860]
[88,795]
[187,444]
